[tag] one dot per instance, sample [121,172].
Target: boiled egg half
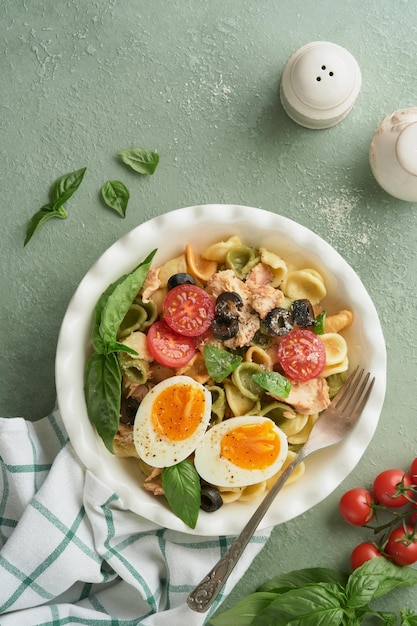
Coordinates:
[171,421]
[241,451]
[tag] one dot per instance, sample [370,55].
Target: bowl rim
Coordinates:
[328,468]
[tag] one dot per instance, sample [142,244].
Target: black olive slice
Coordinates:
[211,499]
[228,304]
[179,279]
[278,322]
[302,312]
[225,327]
[128,410]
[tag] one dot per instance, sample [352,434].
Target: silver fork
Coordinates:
[333,425]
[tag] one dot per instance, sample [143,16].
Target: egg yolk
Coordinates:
[251,446]
[177,411]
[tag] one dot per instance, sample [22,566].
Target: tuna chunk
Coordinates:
[308,397]
[263,296]
[249,322]
[150,284]
[226,280]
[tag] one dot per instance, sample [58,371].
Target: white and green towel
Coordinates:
[71,553]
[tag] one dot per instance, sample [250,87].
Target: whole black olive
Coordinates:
[225,327]
[211,499]
[278,322]
[302,312]
[179,279]
[228,304]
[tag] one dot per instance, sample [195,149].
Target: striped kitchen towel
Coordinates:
[71,553]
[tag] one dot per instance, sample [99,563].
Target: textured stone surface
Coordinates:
[199,82]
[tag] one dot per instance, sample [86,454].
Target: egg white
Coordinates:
[217,470]
[154,448]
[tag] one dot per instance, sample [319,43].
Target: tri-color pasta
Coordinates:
[262,282]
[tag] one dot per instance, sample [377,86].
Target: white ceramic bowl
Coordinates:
[201,225]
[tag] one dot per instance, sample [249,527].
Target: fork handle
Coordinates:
[204,594]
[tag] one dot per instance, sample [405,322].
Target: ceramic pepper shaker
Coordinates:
[393,154]
[320,84]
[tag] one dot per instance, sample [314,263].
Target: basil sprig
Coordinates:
[102,378]
[116,195]
[181,484]
[61,191]
[321,596]
[141,160]
[273,382]
[220,363]
[319,323]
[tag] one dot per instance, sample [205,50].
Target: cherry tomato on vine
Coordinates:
[356,506]
[188,310]
[402,545]
[413,471]
[363,552]
[302,355]
[167,347]
[390,487]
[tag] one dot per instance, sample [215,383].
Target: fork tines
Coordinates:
[352,397]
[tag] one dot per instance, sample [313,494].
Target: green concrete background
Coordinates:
[198,81]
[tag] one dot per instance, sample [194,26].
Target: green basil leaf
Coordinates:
[408,617]
[220,363]
[140,160]
[299,578]
[118,302]
[43,215]
[375,578]
[65,186]
[273,382]
[181,484]
[319,322]
[102,388]
[116,196]
[318,604]
[98,342]
[244,612]
[61,191]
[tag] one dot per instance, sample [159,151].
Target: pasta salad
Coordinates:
[211,370]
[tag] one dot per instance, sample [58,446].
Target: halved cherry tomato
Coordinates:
[363,552]
[413,471]
[356,506]
[168,347]
[188,310]
[390,488]
[402,545]
[302,355]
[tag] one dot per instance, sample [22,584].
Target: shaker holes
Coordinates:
[323,67]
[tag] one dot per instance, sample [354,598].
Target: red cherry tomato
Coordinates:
[390,488]
[302,355]
[402,545]
[167,347]
[356,506]
[362,553]
[188,310]
[413,471]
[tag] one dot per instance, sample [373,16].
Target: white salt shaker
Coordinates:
[320,84]
[393,154]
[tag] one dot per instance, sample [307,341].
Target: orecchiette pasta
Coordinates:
[199,267]
[232,261]
[218,251]
[277,265]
